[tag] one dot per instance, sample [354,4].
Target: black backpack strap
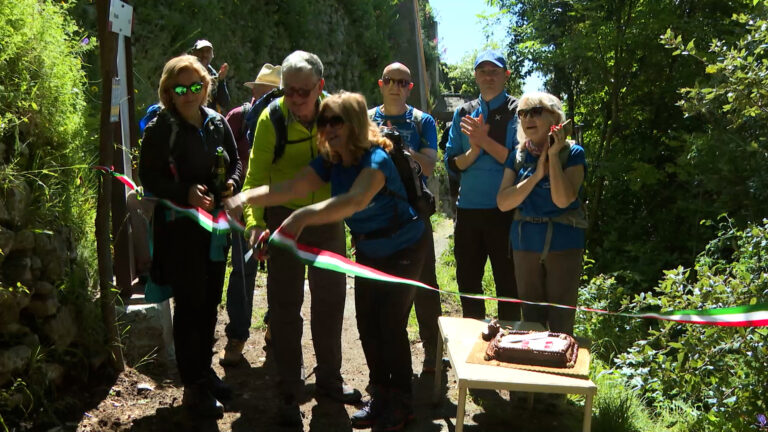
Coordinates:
[277,118]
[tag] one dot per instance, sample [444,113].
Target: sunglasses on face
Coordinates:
[402,82]
[195,87]
[533,112]
[296,91]
[333,121]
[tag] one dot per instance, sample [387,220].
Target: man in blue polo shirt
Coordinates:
[482,137]
[420,136]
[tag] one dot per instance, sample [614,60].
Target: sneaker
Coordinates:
[232,355]
[366,416]
[200,402]
[218,388]
[340,393]
[393,419]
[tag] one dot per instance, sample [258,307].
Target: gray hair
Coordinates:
[302,61]
[547,100]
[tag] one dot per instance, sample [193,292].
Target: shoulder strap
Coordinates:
[468,107]
[244,124]
[277,118]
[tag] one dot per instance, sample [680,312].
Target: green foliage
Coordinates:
[649,163]
[607,292]
[460,78]
[351,37]
[721,372]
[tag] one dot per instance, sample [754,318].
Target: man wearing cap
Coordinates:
[203,50]
[243,276]
[273,162]
[482,137]
[419,133]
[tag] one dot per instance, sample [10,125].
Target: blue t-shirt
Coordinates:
[384,210]
[528,236]
[480,182]
[409,130]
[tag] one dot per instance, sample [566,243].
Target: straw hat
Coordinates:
[269,75]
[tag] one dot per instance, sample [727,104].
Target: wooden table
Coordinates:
[458,336]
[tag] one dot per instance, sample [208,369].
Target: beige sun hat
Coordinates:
[269,75]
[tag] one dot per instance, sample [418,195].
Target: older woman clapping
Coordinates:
[542,181]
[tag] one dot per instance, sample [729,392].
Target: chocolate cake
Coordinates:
[547,349]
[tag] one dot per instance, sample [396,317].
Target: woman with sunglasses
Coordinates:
[542,181]
[388,236]
[188,156]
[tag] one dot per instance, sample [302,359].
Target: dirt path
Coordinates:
[130,406]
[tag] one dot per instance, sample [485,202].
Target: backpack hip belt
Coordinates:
[573,217]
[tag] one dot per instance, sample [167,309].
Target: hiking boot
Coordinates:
[289,414]
[340,393]
[232,355]
[397,414]
[200,402]
[218,388]
[367,416]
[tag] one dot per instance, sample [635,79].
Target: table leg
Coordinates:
[587,414]
[460,407]
[436,392]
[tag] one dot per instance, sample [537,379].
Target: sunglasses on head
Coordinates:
[402,82]
[333,121]
[195,87]
[533,112]
[296,91]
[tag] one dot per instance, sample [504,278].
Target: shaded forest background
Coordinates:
[672,96]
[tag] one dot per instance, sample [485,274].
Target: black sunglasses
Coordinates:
[295,91]
[195,87]
[333,121]
[402,82]
[533,112]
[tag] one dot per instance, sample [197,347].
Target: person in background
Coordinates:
[243,276]
[542,181]
[272,162]
[189,157]
[219,100]
[482,136]
[420,136]
[354,160]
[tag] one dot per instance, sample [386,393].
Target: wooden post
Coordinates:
[107,291]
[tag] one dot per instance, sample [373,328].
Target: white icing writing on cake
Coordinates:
[540,342]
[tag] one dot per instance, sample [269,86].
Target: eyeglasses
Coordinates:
[296,91]
[402,82]
[333,121]
[533,112]
[195,87]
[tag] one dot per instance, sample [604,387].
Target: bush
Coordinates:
[721,372]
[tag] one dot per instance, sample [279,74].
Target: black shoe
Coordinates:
[289,414]
[200,402]
[218,388]
[340,393]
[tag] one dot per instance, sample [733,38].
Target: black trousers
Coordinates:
[426,302]
[382,316]
[481,234]
[197,288]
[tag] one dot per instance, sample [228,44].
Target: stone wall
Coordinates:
[33,265]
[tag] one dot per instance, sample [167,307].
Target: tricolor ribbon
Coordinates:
[737,316]
[219,222]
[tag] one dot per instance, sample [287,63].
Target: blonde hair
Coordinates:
[353,108]
[550,102]
[172,69]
